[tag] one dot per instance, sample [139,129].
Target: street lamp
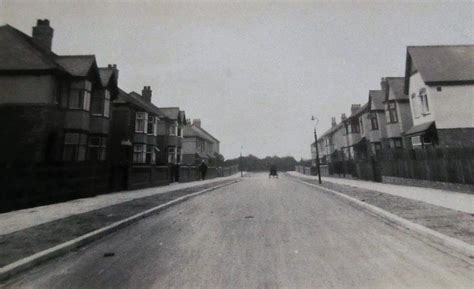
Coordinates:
[316,121]
[241,172]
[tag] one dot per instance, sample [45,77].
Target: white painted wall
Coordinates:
[452,107]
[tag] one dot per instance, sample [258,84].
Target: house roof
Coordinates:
[376,98]
[105,74]
[18,52]
[171,112]
[397,84]
[419,129]
[194,131]
[447,63]
[77,65]
[134,99]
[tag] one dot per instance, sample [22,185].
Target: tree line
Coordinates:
[252,163]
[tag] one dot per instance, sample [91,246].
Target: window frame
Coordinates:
[139,153]
[141,116]
[373,117]
[78,145]
[100,147]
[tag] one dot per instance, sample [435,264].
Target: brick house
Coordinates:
[56,120]
[397,112]
[439,81]
[198,144]
[139,141]
[177,121]
[376,132]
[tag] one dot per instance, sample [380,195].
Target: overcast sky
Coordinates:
[253,72]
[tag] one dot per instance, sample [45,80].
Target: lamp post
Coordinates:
[316,146]
[241,172]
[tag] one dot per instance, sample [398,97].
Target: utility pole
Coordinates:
[241,171]
[317,150]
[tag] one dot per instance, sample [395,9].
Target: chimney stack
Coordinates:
[197,123]
[355,108]
[43,34]
[333,121]
[343,117]
[146,94]
[114,67]
[383,83]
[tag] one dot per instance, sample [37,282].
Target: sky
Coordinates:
[254,72]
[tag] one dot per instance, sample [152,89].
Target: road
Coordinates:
[258,233]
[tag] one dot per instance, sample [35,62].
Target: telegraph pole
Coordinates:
[241,171]
[317,150]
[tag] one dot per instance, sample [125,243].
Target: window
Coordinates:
[392,113]
[178,153]
[107,103]
[355,126]
[377,147]
[171,155]
[173,129]
[97,148]
[141,121]
[150,154]
[415,106]
[425,108]
[180,131]
[152,125]
[361,124]
[139,153]
[373,120]
[75,147]
[80,95]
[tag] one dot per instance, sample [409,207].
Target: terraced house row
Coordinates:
[68,130]
[417,126]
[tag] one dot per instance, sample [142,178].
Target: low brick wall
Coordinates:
[45,184]
[148,176]
[429,184]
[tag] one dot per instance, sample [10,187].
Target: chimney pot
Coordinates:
[197,122]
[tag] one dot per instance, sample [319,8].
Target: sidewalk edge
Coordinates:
[42,256]
[447,241]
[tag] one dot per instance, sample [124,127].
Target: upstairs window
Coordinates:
[361,124]
[173,129]
[80,95]
[97,148]
[392,116]
[100,104]
[75,147]
[415,106]
[152,128]
[355,126]
[139,153]
[425,108]
[141,122]
[373,120]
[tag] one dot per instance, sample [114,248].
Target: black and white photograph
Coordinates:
[236,144]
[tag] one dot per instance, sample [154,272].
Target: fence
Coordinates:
[192,173]
[451,165]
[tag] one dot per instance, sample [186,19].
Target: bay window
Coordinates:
[392,116]
[373,120]
[141,122]
[152,125]
[97,148]
[139,153]
[150,154]
[80,95]
[100,105]
[75,147]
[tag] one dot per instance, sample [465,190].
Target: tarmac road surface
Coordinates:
[258,233]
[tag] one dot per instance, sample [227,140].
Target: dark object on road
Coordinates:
[203,170]
[273,172]
[110,254]
[248,217]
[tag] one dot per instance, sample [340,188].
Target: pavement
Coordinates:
[22,219]
[257,233]
[463,202]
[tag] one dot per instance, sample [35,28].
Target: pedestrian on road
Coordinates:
[273,172]
[203,170]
